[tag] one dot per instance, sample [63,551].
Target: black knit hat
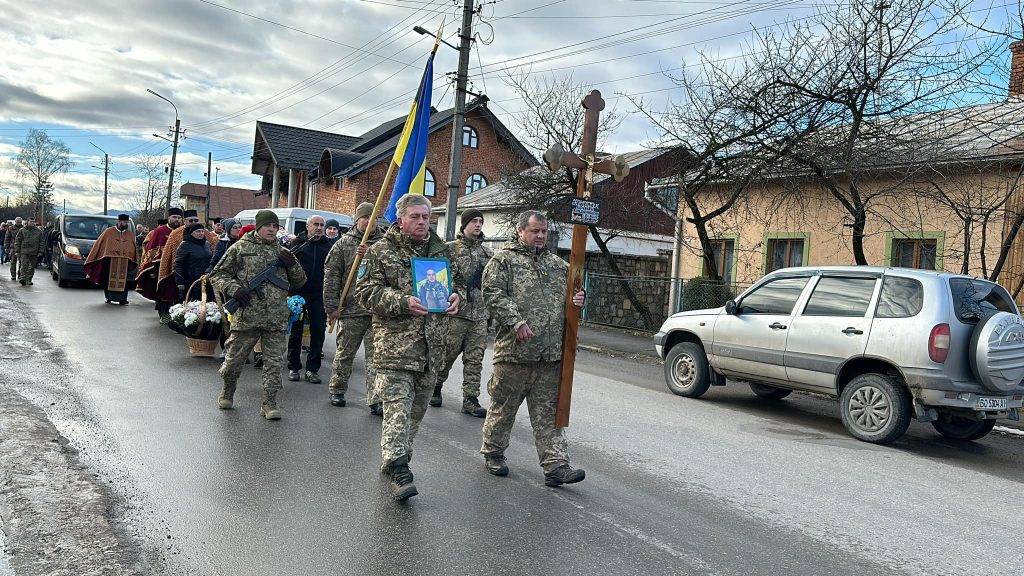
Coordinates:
[468,216]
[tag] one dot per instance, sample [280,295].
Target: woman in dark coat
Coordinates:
[191,261]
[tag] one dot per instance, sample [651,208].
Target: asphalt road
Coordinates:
[729,484]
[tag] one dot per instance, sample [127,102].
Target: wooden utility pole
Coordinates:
[209,163]
[585,213]
[461,79]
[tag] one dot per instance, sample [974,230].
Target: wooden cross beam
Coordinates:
[584,214]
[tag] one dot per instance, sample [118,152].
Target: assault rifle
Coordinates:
[267,275]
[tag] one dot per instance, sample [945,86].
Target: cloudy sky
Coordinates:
[80,69]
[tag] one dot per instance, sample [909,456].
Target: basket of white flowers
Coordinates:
[201,321]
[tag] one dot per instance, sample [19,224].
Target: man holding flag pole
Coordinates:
[409,341]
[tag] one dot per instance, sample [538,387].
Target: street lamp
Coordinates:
[174,149]
[423,31]
[216,176]
[106,173]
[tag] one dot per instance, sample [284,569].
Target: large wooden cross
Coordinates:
[584,213]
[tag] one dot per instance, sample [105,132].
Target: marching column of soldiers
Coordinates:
[412,330]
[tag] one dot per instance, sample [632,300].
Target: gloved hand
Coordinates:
[242,296]
[181,292]
[287,259]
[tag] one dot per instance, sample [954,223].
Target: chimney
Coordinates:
[1016,87]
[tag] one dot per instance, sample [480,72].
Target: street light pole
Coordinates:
[461,79]
[209,162]
[106,173]
[174,148]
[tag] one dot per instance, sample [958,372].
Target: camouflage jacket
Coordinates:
[521,286]
[403,341]
[470,257]
[12,233]
[339,262]
[29,241]
[242,262]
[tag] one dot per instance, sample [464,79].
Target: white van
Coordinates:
[294,219]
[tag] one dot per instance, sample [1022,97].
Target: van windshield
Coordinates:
[86,227]
[973,299]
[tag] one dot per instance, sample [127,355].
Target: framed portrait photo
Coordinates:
[432,282]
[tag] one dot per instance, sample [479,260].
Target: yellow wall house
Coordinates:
[932,216]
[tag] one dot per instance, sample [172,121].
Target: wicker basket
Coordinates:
[204,348]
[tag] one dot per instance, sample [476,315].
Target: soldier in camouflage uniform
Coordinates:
[12,233]
[409,342]
[469,327]
[524,287]
[28,245]
[264,314]
[354,319]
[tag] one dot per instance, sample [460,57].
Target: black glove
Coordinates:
[181,293]
[287,259]
[242,296]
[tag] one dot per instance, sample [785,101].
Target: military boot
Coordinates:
[269,408]
[564,474]
[402,487]
[471,406]
[377,409]
[257,359]
[227,396]
[435,400]
[338,399]
[496,465]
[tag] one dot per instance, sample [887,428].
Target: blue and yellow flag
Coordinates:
[411,152]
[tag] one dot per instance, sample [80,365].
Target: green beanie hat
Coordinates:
[364,210]
[264,217]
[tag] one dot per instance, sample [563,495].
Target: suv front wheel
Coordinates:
[959,428]
[686,370]
[875,408]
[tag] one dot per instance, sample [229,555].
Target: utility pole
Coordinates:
[174,156]
[209,163]
[462,77]
[106,173]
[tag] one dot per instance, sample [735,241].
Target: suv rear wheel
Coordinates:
[960,428]
[875,408]
[686,370]
[769,392]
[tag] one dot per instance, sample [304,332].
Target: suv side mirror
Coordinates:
[731,308]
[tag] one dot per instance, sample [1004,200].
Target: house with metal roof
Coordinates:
[335,172]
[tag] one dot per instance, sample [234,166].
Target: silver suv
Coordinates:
[890,343]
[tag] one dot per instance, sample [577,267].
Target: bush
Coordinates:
[701,293]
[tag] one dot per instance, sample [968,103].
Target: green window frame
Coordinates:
[727,265]
[771,239]
[892,239]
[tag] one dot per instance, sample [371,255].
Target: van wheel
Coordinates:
[959,428]
[769,392]
[875,408]
[62,283]
[686,370]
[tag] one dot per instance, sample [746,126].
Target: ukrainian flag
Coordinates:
[411,152]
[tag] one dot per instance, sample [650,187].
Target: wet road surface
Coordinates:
[729,484]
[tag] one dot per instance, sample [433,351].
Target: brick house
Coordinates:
[226,200]
[335,172]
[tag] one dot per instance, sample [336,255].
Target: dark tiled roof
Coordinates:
[227,201]
[300,148]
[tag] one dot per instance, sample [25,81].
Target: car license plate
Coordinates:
[991,404]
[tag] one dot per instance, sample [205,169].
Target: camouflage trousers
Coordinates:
[405,395]
[240,344]
[469,338]
[353,331]
[536,383]
[14,266]
[26,266]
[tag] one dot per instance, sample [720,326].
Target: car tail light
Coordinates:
[938,343]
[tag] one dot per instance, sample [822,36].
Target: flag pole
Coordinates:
[377,207]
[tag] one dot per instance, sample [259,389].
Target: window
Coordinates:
[469,137]
[973,299]
[914,253]
[840,297]
[722,251]
[429,184]
[775,297]
[784,253]
[475,182]
[900,298]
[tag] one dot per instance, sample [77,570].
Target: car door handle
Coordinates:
[777,326]
[851,330]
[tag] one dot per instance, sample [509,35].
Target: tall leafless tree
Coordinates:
[39,160]
[149,199]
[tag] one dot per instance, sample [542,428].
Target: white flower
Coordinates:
[191,318]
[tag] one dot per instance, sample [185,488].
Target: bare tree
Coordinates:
[40,159]
[149,200]
[876,73]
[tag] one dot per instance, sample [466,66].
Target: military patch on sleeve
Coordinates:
[362,270]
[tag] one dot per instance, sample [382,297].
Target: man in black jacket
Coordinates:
[311,252]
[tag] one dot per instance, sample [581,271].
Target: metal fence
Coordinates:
[644,302]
